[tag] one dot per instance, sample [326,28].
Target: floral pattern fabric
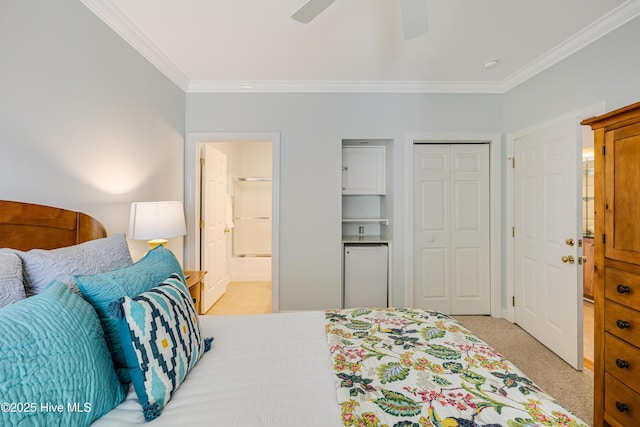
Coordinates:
[416,368]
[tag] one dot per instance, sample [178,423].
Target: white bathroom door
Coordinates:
[451,228]
[214,230]
[548,288]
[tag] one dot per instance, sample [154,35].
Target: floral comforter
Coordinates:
[414,368]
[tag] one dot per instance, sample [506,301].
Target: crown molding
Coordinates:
[342,86]
[603,26]
[114,18]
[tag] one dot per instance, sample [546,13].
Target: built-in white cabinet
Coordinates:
[364,204]
[366,222]
[363,170]
[365,275]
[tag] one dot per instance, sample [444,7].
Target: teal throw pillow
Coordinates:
[161,338]
[103,288]
[55,368]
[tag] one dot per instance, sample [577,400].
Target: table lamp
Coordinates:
[156,222]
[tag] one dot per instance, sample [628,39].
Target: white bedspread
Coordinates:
[267,370]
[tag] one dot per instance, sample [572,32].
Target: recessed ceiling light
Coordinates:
[490,63]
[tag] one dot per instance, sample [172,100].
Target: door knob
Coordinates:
[570,242]
[568,259]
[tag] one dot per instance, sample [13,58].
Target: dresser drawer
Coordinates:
[622,322]
[620,402]
[622,360]
[622,287]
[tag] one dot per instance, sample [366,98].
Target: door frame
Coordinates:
[195,140]
[578,115]
[495,206]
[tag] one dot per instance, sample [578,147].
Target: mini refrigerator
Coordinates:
[365,275]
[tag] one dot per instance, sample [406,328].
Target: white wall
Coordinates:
[607,70]
[86,123]
[312,127]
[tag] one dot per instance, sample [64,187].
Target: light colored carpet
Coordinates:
[573,389]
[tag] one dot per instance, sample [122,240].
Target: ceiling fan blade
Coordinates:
[414,18]
[310,10]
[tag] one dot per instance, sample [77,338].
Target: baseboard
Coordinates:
[588,364]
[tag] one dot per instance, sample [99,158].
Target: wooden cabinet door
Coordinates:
[622,194]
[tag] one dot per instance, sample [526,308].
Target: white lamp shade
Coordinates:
[156,220]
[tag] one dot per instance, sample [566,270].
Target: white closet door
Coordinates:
[451,228]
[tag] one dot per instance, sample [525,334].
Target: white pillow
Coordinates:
[11,281]
[41,266]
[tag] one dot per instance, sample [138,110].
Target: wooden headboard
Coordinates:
[26,226]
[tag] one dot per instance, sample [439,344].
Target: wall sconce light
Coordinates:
[156,222]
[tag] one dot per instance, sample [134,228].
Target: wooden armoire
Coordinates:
[617,267]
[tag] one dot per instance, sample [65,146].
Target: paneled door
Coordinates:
[451,228]
[548,286]
[214,230]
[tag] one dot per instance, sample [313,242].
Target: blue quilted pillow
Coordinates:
[103,288]
[55,368]
[162,341]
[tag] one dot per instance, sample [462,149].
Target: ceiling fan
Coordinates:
[414,15]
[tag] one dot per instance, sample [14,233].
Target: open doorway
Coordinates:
[194,250]
[587,242]
[247,222]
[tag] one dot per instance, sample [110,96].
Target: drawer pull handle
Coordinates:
[623,324]
[622,289]
[622,363]
[622,407]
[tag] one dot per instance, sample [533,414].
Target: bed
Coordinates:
[357,367]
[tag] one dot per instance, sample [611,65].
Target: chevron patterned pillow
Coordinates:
[162,341]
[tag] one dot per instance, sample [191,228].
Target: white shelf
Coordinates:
[367,220]
[359,238]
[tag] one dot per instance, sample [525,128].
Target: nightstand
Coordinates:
[195,283]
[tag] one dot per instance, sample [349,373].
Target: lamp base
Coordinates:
[157,242]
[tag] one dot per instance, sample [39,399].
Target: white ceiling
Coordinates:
[357,45]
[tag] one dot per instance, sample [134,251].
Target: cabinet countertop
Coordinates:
[364,239]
